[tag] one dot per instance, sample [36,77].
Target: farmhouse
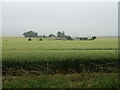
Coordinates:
[81,38]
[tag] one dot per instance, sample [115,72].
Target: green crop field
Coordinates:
[59,63]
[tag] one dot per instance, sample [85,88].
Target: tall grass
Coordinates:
[60,55]
[84,80]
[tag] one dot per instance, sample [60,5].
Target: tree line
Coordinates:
[35,34]
[59,34]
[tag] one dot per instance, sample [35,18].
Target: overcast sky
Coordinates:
[74,18]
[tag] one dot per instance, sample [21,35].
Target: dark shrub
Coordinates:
[40,39]
[29,39]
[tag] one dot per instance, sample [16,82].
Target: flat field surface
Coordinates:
[21,49]
[49,56]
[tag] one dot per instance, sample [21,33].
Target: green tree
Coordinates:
[60,34]
[44,36]
[30,34]
[63,34]
[68,37]
[51,35]
[94,37]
